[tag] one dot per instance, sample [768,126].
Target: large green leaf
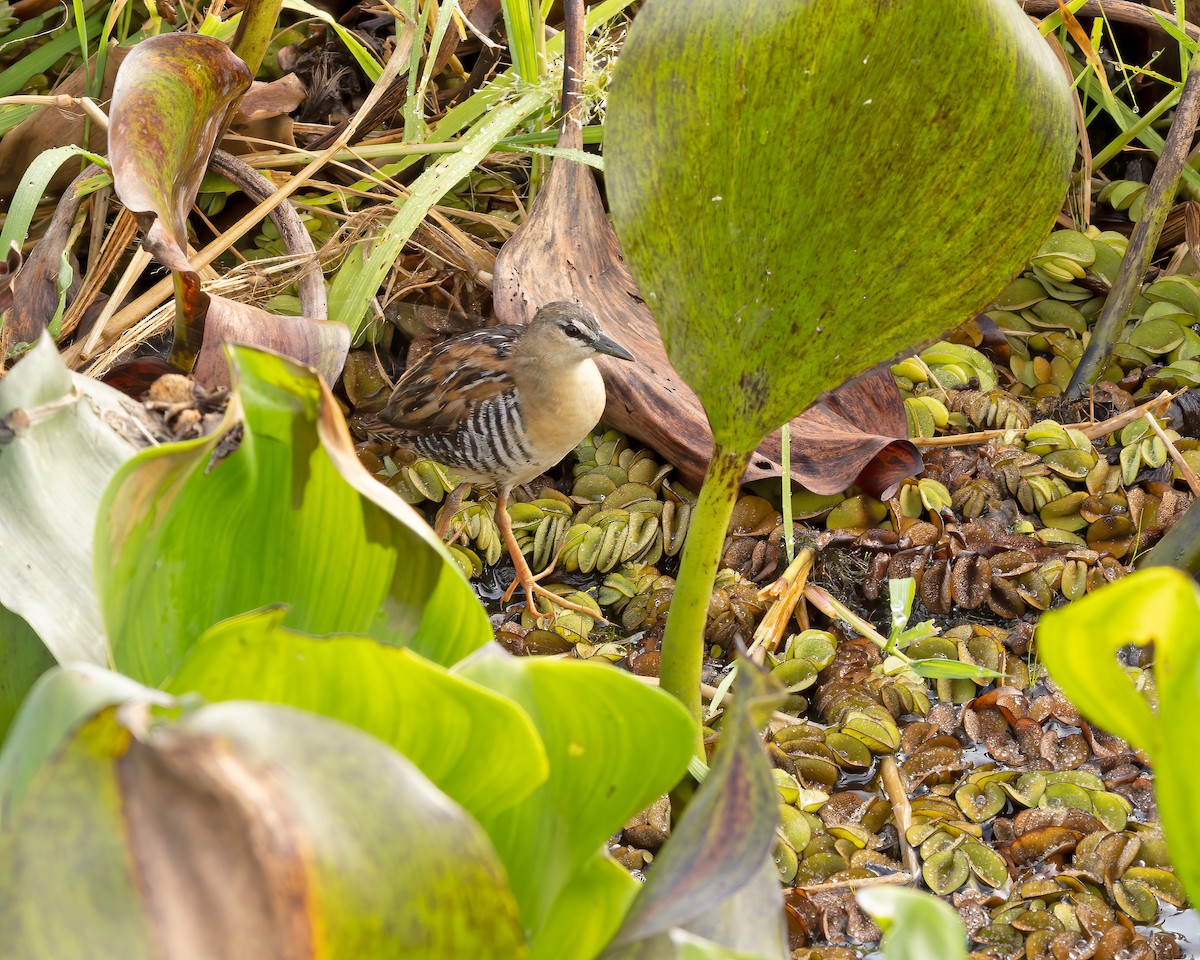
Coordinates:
[614,747]
[587,911]
[677,944]
[194,533]
[1078,645]
[477,747]
[64,852]
[244,830]
[805,187]
[60,443]
[23,658]
[1177,674]
[57,706]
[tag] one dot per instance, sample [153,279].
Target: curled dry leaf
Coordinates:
[173,97]
[854,433]
[8,271]
[263,114]
[265,100]
[35,287]
[321,344]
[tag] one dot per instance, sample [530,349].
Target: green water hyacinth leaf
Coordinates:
[62,437]
[23,658]
[276,510]
[1078,645]
[477,747]
[776,273]
[243,830]
[614,746]
[58,705]
[795,269]
[173,97]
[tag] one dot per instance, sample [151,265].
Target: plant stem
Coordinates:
[835,609]
[254,33]
[1128,282]
[785,454]
[683,642]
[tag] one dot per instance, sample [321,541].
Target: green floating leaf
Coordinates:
[173,97]
[244,829]
[917,926]
[1078,645]
[294,513]
[59,447]
[614,746]
[478,748]
[802,267]
[715,877]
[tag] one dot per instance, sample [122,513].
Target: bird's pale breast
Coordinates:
[570,404]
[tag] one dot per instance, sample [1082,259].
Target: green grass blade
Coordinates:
[522,27]
[445,12]
[14,78]
[33,188]
[350,299]
[12,115]
[414,121]
[1146,135]
[365,59]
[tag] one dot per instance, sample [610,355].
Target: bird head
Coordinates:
[568,332]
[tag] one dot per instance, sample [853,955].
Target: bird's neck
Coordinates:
[547,374]
[570,398]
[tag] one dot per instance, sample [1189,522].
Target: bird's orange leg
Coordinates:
[450,509]
[524,575]
[537,577]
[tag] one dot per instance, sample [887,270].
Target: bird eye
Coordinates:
[571,330]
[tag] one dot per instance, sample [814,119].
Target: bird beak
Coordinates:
[612,348]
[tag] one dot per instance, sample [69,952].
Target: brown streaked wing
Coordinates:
[443,388]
